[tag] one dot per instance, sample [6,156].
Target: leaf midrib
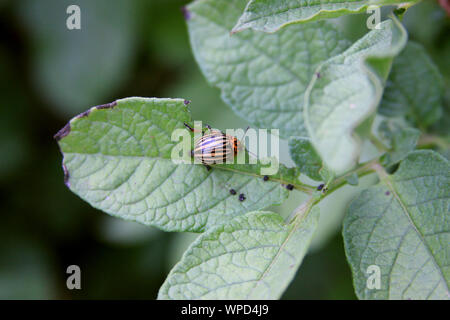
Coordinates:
[311,6]
[387,181]
[298,186]
[307,209]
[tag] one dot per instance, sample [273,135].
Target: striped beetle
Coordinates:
[215,147]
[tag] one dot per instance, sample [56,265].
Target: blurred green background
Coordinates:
[124,48]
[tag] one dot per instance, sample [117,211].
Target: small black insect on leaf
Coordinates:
[242,197]
[320,186]
[232,191]
[265,178]
[290,187]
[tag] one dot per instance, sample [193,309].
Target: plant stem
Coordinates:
[362,170]
[378,144]
[432,140]
[298,186]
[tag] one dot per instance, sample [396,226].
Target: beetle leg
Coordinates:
[208,127]
[189,127]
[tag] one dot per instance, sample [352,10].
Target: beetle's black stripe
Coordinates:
[215,148]
[224,149]
[213,153]
[211,141]
[211,138]
[217,145]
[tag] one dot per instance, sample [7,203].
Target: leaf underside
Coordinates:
[117,157]
[261,76]
[402,225]
[346,91]
[402,140]
[270,16]
[305,157]
[414,88]
[254,256]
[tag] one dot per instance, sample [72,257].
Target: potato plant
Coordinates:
[286,65]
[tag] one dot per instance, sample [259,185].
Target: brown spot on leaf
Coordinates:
[107,106]
[63,132]
[83,114]
[66,129]
[186,13]
[66,176]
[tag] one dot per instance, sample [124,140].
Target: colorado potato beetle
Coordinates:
[215,147]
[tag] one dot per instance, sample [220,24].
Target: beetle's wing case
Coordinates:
[213,148]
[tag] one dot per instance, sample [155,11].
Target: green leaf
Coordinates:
[402,225]
[117,157]
[415,88]
[305,157]
[346,91]
[402,140]
[270,16]
[262,77]
[254,256]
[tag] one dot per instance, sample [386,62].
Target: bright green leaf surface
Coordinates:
[346,91]
[254,256]
[402,225]
[262,76]
[414,88]
[305,157]
[270,16]
[118,158]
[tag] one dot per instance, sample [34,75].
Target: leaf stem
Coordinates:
[377,143]
[432,140]
[298,186]
[362,170]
